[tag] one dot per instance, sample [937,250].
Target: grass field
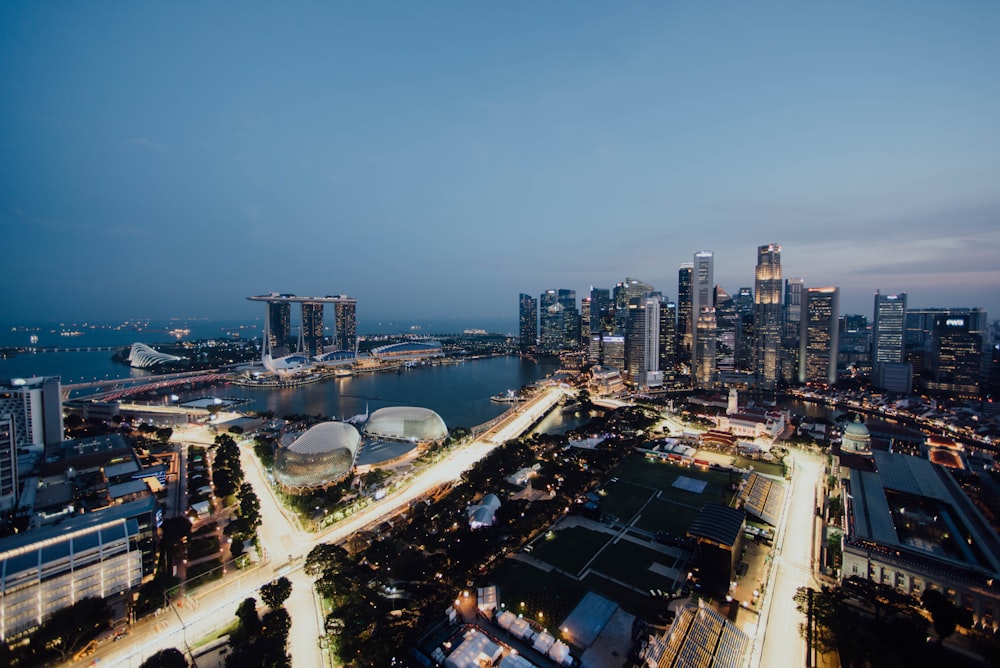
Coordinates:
[623,499]
[661,475]
[662,515]
[569,549]
[529,591]
[630,562]
[766,468]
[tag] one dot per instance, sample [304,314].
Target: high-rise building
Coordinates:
[889,371]
[794,287]
[528,322]
[8,463]
[613,352]
[767,316]
[571,319]
[643,341]
[956,354]
[727,331]
[703,358]
[585,325]
[684,321]
[602,313]
[702,289]
[312,328]
[551,330]
[346,324]
[279,316]
[819,338]
[744,301]
[668,335]
[888,328]
[35,407]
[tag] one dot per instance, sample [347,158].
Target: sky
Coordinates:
[436,159]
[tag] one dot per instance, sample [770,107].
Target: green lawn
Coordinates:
[623,499]
[661,475]
[569,549]
[629,562]
[767,468]
[662,515]
[528,591]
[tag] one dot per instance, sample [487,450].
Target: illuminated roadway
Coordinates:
[285,544]
[782,644]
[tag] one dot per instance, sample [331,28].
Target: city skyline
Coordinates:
[431,162]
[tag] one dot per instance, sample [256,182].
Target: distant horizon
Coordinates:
[179,157]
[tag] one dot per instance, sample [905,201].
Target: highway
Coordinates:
[285,544]
[778,641]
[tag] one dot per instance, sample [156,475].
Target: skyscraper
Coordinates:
[727,331]
[571,319]
[312,328]
[8,463]
[703,358]
[794,288]
[602,316]
[528,322]
[668,335]
[702,289]
[279,316]
[684,322]
[767,316]
[956,354]
[643,341]
[346,324]
[819,338]
[550,322]
[888,328]
[585,325]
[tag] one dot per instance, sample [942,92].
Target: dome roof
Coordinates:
[856,428]
[406,423]
[322,455]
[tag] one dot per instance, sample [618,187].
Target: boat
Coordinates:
[508,397]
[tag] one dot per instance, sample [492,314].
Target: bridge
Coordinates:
[63,349]
[115,388]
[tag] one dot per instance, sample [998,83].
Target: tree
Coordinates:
[274,594]
[945,615]
[67,630]
[166,658]
[326,557]
[164,434]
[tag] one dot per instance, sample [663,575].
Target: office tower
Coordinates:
[703,359]
[312,328]
[550,321]
[585,325]
[528,321]
[571,319]
[956,353]
[35,408]
[767,316]
[820,336]
[744,301]
[8,463]
[613,352]
[279,318]
[889,371]
[346,324]
[643,341]
[684,322]
[702,289]
[727,329]
[794,288]
[668,335]
[602,313]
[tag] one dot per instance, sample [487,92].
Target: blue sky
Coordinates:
[434,159]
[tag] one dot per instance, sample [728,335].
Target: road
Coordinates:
[286,544]
[782,644]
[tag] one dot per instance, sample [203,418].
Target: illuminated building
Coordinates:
[820,336]
[767,317]
[684,321]
[527,321]
[346,327]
